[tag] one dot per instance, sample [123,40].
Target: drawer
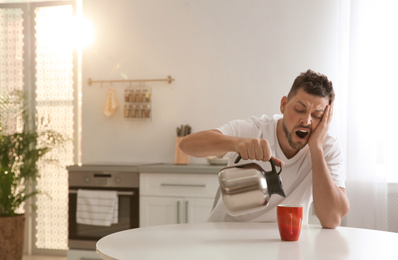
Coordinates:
[178,184]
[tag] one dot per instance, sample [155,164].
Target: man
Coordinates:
[298,140]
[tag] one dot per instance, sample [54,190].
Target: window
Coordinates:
[37,56]
[373,84]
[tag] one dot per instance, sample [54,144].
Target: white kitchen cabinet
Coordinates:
[167,198]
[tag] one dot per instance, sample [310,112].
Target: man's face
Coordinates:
[301,115]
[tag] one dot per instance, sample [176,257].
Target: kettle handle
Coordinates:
[273,166]
[270,160]
[238,158]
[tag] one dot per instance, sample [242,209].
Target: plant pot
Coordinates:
[12,237]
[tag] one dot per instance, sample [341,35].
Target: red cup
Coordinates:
[290,218]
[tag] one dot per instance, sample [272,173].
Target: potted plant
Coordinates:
[21,147]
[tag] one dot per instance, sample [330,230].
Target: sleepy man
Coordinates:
[298,140]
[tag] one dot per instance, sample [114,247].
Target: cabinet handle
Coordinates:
[182,185]
[119,193]
[178,212]
[186,211]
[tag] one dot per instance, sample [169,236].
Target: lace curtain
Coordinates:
[366,110]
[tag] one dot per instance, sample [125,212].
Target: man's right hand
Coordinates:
[255,149]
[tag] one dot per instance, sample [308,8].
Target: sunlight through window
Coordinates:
[82,32]
[376,68]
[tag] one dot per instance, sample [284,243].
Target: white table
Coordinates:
[207,241]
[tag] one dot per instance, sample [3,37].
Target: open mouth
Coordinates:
[302,133]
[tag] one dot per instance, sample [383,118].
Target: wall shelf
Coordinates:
[90,81]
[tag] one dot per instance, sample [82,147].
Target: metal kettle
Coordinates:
[248,187]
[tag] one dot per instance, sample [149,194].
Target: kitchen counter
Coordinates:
[149,168]
[102,168]
[173,168]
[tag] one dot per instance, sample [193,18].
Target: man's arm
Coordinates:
[214,143]
[206,143]
[330,201]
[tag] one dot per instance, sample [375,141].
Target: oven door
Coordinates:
[83,236]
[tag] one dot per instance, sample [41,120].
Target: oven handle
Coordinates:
[119,193]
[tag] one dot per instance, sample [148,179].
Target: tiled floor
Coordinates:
[43,257]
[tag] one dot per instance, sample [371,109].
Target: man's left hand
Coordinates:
[318,136]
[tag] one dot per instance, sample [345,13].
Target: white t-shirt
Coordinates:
[296,174]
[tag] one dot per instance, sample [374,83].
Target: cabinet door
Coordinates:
[178,185]
[161,211]
[197,209]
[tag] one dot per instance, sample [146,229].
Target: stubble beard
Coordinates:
[289,137]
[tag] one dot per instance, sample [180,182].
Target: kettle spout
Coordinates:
[281,192]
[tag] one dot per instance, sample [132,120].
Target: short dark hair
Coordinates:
[313,83]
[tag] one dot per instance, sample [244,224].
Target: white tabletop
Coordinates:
[206,241]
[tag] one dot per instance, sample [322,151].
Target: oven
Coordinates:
[125,184]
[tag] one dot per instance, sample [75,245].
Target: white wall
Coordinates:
[230,59]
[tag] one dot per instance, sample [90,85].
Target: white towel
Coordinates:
[97,207]
[111,104]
